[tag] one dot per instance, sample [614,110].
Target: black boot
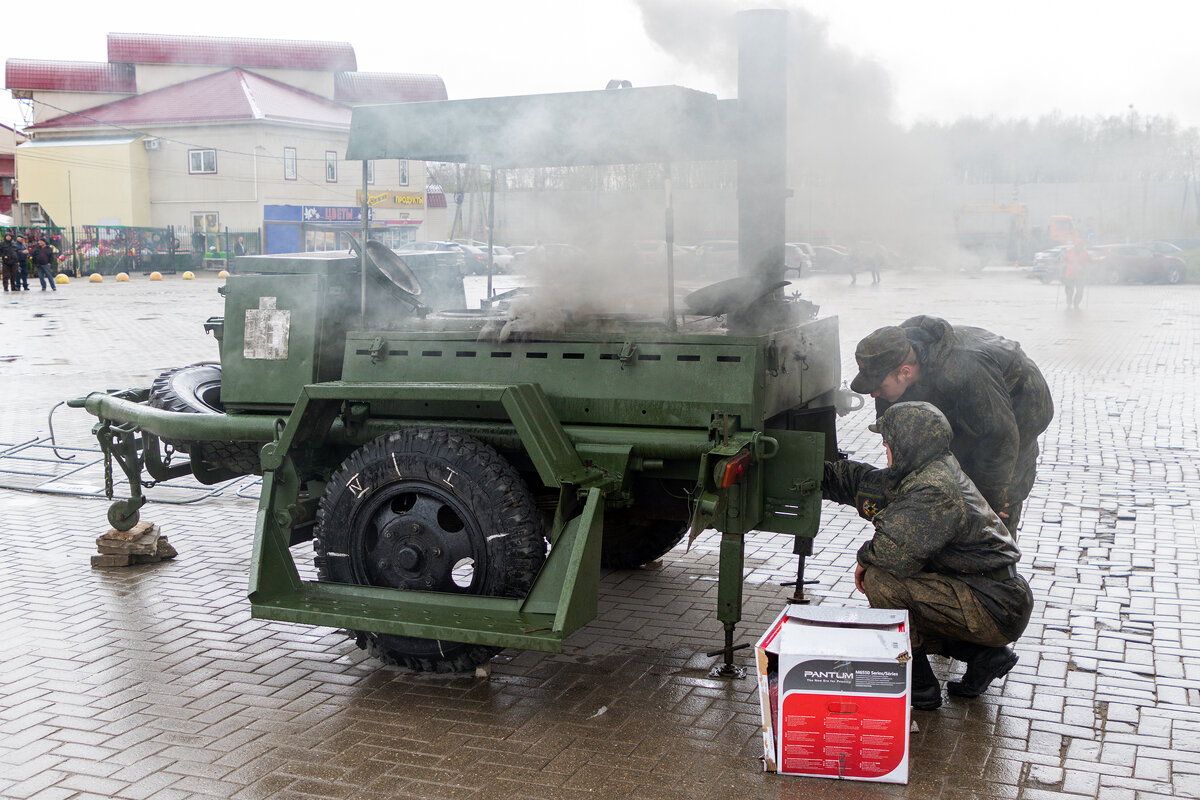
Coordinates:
[960,651]
[985,665]
[926,691]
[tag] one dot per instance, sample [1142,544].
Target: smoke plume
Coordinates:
[856,174]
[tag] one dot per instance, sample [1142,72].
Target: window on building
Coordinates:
[404,172]
[370,172]
[202,162]
[320,241]
[205,222]
[289,163]
[205,226]
[330,166]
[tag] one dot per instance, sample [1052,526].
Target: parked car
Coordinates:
[474,260]
[424,245]
[1117,263]
[652,255]
[1048,264]
[502,258]
[717,257]
[557,255]
[798,258]
[1166,248]
[1188,243]
[830,258]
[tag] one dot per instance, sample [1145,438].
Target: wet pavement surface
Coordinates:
[153,681]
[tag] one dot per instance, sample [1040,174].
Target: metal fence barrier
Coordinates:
[40,465]
[110,249]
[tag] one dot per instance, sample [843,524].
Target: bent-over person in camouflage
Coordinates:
[994,396]
[939,551]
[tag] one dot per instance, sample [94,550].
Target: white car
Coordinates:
[502,257]
[797,257]
[1048,264]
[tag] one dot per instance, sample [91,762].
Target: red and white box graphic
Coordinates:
[834,687]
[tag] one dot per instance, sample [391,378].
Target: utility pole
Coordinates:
[71,220]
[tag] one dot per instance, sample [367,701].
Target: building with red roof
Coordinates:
[206,133]
[9,139]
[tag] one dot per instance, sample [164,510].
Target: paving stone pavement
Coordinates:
[154,682]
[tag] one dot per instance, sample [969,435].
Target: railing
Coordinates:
[109,249]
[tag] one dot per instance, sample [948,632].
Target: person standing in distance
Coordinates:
[1075,265]
[993,395]
[22,273]
[8,260]
[239,250]
[43,263]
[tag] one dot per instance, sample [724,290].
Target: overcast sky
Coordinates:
[945,58]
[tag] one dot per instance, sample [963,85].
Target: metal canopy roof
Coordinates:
[608,126]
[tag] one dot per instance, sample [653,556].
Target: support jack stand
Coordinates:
[802,549]
[727,669]
[798,597]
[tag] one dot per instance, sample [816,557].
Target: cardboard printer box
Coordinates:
[834,685]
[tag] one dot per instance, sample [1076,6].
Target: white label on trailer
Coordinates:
[267,331]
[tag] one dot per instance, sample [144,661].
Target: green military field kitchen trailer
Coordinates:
[464,474]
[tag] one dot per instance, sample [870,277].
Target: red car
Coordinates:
[1117,263]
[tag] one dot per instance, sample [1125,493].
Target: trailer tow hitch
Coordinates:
[120,442]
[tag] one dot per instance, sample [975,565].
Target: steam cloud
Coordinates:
[856,174]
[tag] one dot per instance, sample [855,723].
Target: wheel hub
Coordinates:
[408,557]
[417,540]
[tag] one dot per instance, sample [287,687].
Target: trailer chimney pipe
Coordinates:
[362,255]
[762,138]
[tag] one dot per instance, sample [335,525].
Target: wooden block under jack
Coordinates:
[145,544]
[163,552]
[112,560]
[136,531]
[117,549]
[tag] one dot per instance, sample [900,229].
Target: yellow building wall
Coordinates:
[79,184]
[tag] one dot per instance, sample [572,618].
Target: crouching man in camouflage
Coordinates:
[939,551]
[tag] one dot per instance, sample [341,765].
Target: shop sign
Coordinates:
[332,214]
[390,199]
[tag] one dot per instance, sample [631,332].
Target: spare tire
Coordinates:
[196,389]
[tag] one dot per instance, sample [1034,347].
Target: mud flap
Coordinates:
[568,585]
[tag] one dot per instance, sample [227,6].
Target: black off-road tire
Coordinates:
[196,389]
[630,543]
[407,508]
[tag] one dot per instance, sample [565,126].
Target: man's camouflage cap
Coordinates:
[877,355]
